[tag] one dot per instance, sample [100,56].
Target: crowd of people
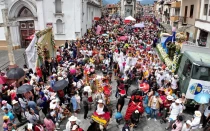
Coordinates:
[109,49]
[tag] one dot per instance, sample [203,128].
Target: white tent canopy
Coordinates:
[130,18]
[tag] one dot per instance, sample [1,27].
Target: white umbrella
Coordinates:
[139,25]
[130,18]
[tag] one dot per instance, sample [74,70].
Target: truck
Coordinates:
[194,73]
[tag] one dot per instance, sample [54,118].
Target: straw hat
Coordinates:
[100,101]
[178,101]
[170,98]
[14,102]
[176,76]
[5,117]
[72,118]
[197,113]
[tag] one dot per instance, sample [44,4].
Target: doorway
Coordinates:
[26,30]
[185,14]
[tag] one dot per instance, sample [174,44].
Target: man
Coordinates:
[206,116]
[9,114]
[66,44]
[17,110]
[175,110]
[33,105]
[85,104]
[121,100]
[72,121]
[6,105]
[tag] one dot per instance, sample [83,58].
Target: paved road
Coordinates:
[19,58]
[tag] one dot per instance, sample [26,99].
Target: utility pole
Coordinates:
[6,24]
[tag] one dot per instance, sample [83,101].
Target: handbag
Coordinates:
[118,115]
[148,110]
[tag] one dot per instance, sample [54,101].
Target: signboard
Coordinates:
[197,86]
[49,25]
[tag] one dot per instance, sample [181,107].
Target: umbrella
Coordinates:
[123,38]
[15,73]
[2,80]
[139,25]
[60,85]
[130,18]
[144,87]
[202,98]
[104,34]
[24,88]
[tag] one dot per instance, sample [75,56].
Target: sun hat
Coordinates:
[178,101]
[197,113]
[72,118]
[170,98]
[176,76]
[100,101]
[5,117]
[189,122]
[4,102]
[14,102]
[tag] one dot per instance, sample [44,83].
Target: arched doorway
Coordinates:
[26,27]
[24,14]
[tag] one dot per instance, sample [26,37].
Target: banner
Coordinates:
[197,86]
[31,54]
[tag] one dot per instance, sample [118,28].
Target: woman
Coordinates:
[177,125]
[154,104]
[44,104]
[187,126]
[31,116]
[49,125]
[5,123]
[196,120]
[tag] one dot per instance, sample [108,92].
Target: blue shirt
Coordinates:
[32,104]
[10,115]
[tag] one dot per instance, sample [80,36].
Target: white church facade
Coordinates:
[69,18]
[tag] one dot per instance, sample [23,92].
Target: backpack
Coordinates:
[126,128]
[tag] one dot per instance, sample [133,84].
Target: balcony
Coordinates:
[176,4]
[202,24]
[174,18]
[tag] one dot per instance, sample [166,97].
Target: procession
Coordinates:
[79,77]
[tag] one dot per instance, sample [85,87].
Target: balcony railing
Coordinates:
[176,4]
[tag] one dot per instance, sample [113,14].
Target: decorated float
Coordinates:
[41,48]
[169,49]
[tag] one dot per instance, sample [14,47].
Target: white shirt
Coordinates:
[173,83]
[184,127]
[175,111]
[196,122]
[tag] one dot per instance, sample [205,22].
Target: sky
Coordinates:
[115,1]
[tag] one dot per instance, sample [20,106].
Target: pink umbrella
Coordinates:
[123,38]
[2,80]
[72,71]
